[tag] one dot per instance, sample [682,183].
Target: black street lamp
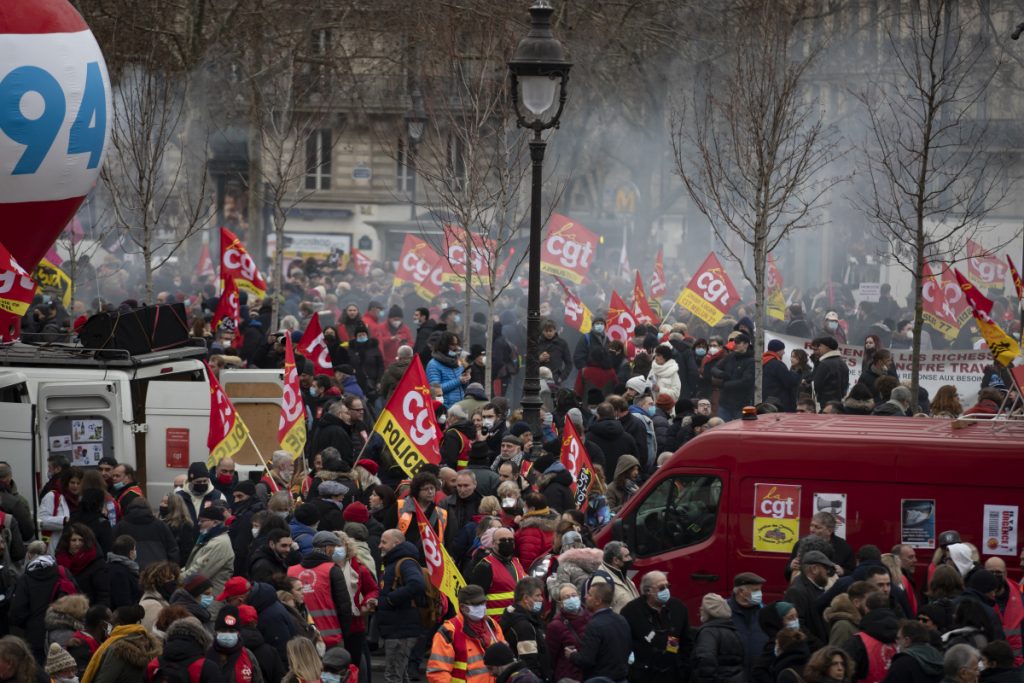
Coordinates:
[539,74]
[416,124]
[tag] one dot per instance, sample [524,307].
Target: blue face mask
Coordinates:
[206,600]
[457,319]
[361,338]
[599,328]
[538,606]
[571,605]
[118,485]
[327,677]
[700,351]
[757,597]
[228,640]
[339,555]
[454,354]
[651,410]
[795,624]
[663,595]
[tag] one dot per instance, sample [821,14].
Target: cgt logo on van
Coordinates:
[776,517]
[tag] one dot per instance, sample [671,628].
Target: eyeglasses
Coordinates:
[357,410]
[924,620]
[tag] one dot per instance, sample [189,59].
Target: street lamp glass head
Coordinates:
[537,93]
[539,71]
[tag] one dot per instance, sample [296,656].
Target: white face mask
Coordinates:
[476,612]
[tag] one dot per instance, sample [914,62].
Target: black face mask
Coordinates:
[507,547]
[164,510]
[167,589]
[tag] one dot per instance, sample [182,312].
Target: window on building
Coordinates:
[405,171]
[456,163]
[318,160]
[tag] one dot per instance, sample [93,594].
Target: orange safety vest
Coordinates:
[406,516]
[316,593]
[879,658]
[503,584]
[465,445]
[454,657]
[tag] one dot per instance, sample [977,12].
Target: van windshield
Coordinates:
[681,511]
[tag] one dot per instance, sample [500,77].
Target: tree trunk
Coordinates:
[915,367]
[147,257]
[467,303]
[276,299]
[489,376]
[760,313]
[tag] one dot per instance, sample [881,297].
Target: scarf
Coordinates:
[117,634]
[445,359]
[76,563]
[768,356]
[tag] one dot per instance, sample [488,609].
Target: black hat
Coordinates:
[227,619]
[395,312]
[198,470]
[748,579]
[499,654]
[947,538]
[307,514]
[246,487]
[829,342]
[214,512]
[375,304]
[983,581]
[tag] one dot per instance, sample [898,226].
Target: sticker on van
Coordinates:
[776,517]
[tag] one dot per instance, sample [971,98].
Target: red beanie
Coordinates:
[247,615]
[355,512]
[368,465]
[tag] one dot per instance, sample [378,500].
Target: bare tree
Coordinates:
[752,150]
[156,193]
[931,175]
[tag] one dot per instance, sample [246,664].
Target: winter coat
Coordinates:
[737,373]
[582,350]
[126,658]
[560,360]
[639,426]
[33,594]
[535,534]
[748,627]
[460,513]
[154,541]
[194,503]
[718,654]
[653,632]
[271,665]
[367,357]
[915,664]
[403,336]
[575,566]
[124,581]
[804,594]
[665,379]
[565,630]
[187,642]
[397,616]
[65,616]
[788,667]
[625,589]
[274,621]
[188,601]
[302,535]
[240,531]
[212,557]
[852,406]
[621,489]
[605,648]
[882,625]
[392,376]
[446,372]
[94,581]
[843,620]
[153,603]
[779,381]
[331,430]
[524,632]
[265,564]
[831,378]
[664,431]
[613,441]
[555,484]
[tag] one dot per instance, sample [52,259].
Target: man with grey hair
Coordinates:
[462,506]
[614,569]
[334,428]
[823,526]
[282,467]
[665,658]
[898,405]
[960,664]
[393,373]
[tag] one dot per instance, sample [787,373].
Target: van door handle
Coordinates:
[704,577]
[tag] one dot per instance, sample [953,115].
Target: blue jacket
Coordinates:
[303,535]
[397,616]
[779,382]
[448,378]
[275,623]
[750,632]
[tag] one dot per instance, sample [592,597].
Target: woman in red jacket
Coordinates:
[536,529]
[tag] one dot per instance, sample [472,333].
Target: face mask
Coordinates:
[476,612]
[361,338]
[538,606]
[663,595]
[312,391]
[120,485]
[700,351]
[508,502]
[339,555]
[757,598]
[651,410]
[453,354]
[283,514]
[73,679]
[599,328]
[205,600]
[795,624]
[255,531]
[163,510]
[327,677]
[227,639]
[506,547]
[457,319]
[488,422]
[321,649]
[197,489]
[831,325]
[109,629]
[225,478]
[571,605]
[713,349]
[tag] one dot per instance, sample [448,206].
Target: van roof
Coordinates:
[873,427]
[74,355]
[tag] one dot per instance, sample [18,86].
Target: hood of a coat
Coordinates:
[842,608]
[607,429]
[666,370]
[625,463]
[403,549]
[262,596]
[544,519]
[881,624]
[587,559]
[136,649]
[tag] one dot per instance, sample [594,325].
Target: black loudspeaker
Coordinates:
[143,330]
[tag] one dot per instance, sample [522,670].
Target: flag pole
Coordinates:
[265,465]
[672,308]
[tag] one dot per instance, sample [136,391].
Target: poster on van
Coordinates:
[834,503]
[1000,525]
[776,517]
[917,522]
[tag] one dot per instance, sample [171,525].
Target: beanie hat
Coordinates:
[498,654]
[637,384]
[395,312]
[227,619]
[357,531]
[197,584]
[983,581]
[665,402]
[246,487]
[307,514]
[829,342]
[960,553]
[368,465]
[782,608]
[576,416]
[356,512]
[519,428]
[247,615]
[776,346]
[58,659]
[214,512]
[325,538]
[197,470]
[189,628]
[715,606]
[331,488]
[337,658]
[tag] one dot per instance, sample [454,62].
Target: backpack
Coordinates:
[192,674]
[431,604]
[63,585]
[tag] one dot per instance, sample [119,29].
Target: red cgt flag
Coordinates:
[314,347]
[361,263]
[710,293]
[937,310]
[576,461]
[291,428]
[228,313]
[658,284]
[204,268]
[577,315]
[987,270]
[236,262]
[641,308]
[421,266]
[445,576]
[1002,346]
[1017,285]
[16,287]
[407,424]
[227,432]
[621,321]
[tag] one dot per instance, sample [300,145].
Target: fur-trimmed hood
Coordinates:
[865,406]
[842,608]
[544,519]
[67,612]
[587,559]
[137,649]
[190,629]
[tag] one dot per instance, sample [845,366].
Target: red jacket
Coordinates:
[389,346]
[368,590]
[535,535]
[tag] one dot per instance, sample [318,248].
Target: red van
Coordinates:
[736,498]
